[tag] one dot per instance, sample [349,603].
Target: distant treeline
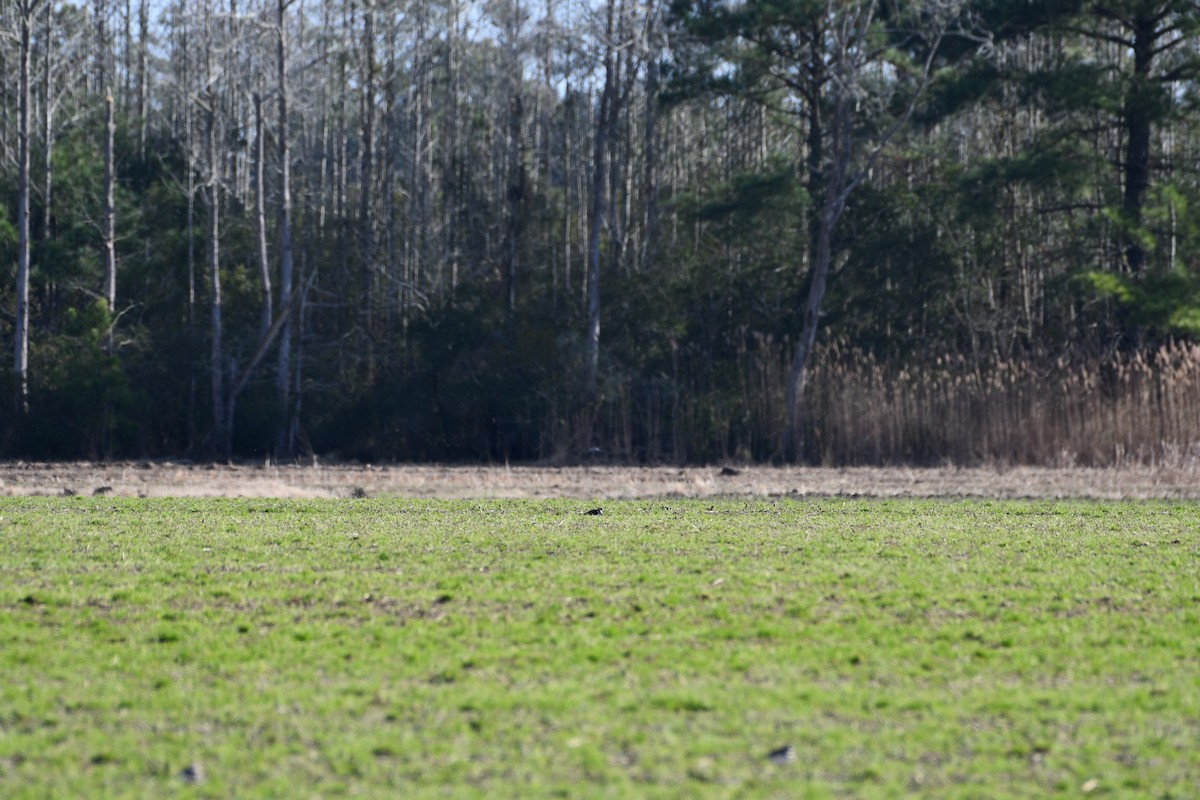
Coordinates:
[846,232]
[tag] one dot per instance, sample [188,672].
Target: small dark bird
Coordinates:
[595,512]
[101,490]
[729,472]
[782,755]
[192,773]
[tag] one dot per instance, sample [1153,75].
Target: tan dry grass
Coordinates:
[1141,408]
[167,479]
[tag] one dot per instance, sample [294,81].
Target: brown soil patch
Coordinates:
[181,479]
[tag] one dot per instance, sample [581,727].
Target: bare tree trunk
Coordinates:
[323,177]
[267,313]
[100,46]
[47,129]
[231,107]
[341,199]
[451,170]
[833,177]
[126,54]
[515,200]
[191,291]
[396,266]
[25,10]
[423,164]
[284,440]
[5,110]
[143,76]
[798,378]
[108,230]
[618,137]
[514,156]
[366,177]
[182,116]
[650,145]
[323,173]
[545,125]
[566,243]
[293,431]
[599,151]
[568,110]
[216,364]
[415,223]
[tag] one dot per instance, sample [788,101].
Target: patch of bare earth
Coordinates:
[182,479]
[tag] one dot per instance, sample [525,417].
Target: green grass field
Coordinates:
[398,648]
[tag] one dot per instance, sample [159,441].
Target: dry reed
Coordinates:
[1142,408]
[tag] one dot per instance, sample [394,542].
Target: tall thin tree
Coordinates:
[108,224]
[604,121]
[266,310]
[285,435]
[26,13]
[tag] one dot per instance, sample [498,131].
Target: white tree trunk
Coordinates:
[47,126]
[267,313]
[25,10]
[108,229]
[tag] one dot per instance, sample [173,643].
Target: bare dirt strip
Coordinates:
[182,479]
